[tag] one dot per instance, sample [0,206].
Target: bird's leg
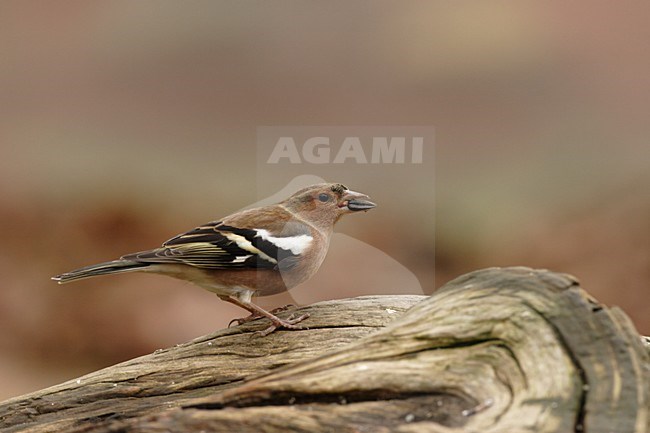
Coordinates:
[257,312]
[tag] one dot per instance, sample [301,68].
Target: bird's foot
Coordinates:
[281,309]
[242,320]
[290,323]
[255,316]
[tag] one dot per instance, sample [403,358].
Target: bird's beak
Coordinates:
[356,201]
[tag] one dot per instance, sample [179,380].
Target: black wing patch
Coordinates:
[217,246]
[204,233]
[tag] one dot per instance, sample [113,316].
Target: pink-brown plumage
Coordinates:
[256,252]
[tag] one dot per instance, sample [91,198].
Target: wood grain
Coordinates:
[497,350]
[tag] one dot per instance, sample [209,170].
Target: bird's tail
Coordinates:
[114,267]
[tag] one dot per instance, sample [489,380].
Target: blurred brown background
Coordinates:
[124,123]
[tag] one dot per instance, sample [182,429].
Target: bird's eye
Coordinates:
[324,197]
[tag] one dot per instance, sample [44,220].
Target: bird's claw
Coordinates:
[290,323]
[281,309]
[255,316]
[242,320]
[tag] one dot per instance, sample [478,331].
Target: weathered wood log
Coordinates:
[497,350]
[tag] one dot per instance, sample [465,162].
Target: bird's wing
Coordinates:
[220,245]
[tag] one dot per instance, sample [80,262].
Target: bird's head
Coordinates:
[325,203]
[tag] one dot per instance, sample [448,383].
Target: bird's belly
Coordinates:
[244,282]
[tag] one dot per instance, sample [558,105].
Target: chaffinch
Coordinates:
[256,252]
